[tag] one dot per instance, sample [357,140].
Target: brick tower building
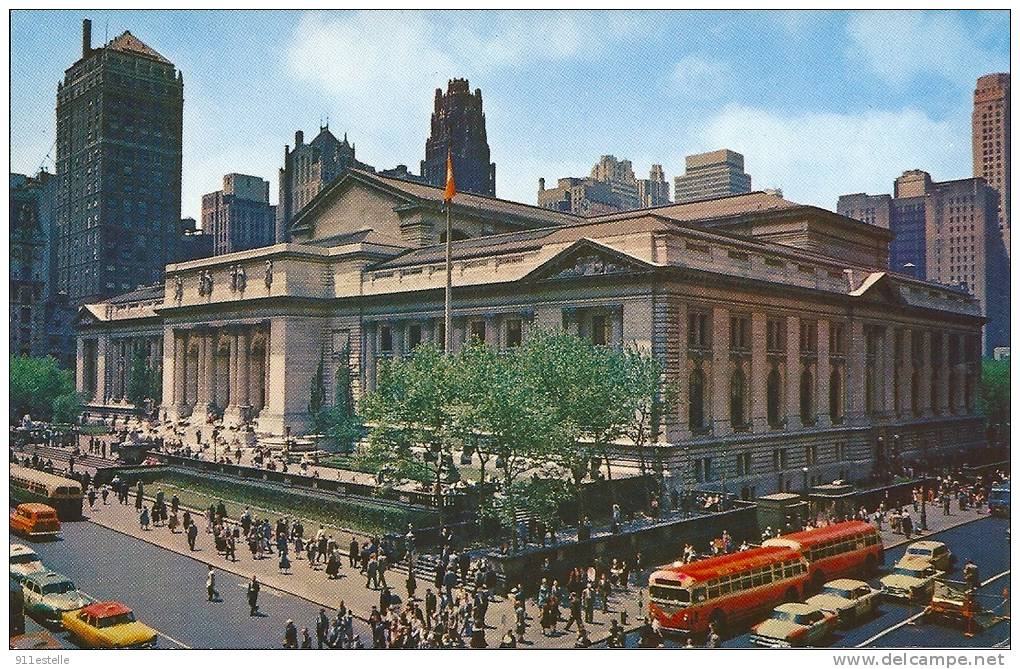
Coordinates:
[458,123]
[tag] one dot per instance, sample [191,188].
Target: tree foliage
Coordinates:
[995,390]
[143,381]
[35,383]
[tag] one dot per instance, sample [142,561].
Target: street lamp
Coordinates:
[804,471]
[924,503]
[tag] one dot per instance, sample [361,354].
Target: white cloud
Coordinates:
[698,78]
[900,45]
[816,157]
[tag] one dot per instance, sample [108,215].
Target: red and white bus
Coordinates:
[737,589]
[730,590]
[852,548]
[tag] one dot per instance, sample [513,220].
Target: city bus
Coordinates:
[851,548]
[730,591]
[31,485]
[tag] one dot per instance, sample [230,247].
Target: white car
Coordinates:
[849,599]
[24,561]
[911,579]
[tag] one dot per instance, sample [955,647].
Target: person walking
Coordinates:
[284,564]
[192,535]
[352,552]
[321,628]
[210,586]
[144,518]
[588,603]
[253,596]
[290,635]
[412,585]
[372,580]
[575,612]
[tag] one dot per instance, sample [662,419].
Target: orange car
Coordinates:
[35,521]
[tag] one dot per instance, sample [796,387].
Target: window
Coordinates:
[385,339]
[772,398]
[743,464]
[703,471]
[779,459]
[740,333]
[836,397]
[775,341]
[811,454]
[696,400]
[738,399]
[808,337]
[698,330]
[514,333]
[600,330]
[837,339]
[807,408]
[477,332]
[413,335]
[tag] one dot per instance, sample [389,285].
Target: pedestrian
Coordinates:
[105,492]
[144,518]
[210,586]
[352,554]
[970,575]
[412,585]
[290,635]
[139,493]
[284,564]
[588,604]
[253,596]
[192,535]
[575,612]
[430,605]
[92,497]
[306,639]
[321,627]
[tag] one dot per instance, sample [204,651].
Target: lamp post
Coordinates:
[924,504]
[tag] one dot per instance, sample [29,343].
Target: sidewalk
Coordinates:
[311,583]
[937,522]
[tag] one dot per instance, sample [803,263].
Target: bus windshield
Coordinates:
[672,595]
[909,571]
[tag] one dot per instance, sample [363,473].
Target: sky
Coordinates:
[819,102]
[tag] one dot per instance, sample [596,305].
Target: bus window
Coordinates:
[788,570]
[745,582]
[699,595]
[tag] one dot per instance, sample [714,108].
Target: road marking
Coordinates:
[918,615]
[158,632]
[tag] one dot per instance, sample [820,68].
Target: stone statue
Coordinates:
[178,287]
[242,279]
[269,273]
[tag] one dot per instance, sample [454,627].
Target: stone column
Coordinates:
[924,389]
[792,373]
[231,413]
[944,375]
[718,401]
[856,354]
[904,370]
[888,369]
[206,371]
[758,386]
[244,369]
[823,369]
[102,369]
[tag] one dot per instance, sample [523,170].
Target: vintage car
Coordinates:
[912,579]
[108,625]
[849,599]
[24,561]
[48,595]
[935,552]
[793,624]
[35,521]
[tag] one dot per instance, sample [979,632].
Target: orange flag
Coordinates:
[451,189]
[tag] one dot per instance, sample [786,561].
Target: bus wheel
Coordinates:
[870,565]
[817,581]
[791,595]
[718,620]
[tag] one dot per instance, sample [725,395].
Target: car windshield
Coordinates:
[121,619]
[919,551]
[836,592]
[805,618]
[782,615]
[24,558]
[664,594]
[58,588]
[908,571]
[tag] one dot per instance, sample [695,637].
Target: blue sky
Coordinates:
[820,103]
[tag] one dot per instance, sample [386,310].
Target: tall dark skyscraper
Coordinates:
[990,140]
[118,209]
[458,123]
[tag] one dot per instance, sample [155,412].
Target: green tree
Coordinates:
[143,381]
[649,397]
[34,385]
[66,408]
[994,397]
[317,392]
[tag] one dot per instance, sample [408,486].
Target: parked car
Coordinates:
[108,625]
[935,552]
[24,561]
[849,599]
[911,579]
[794,624]
[48,595]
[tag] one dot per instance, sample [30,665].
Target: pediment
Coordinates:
[586,258]
[86,317]
[879,289]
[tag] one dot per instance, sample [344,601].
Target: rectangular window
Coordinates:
[514,333]
[808,337]
[837,339]
[740,333]
[385,339]
[413,335]
[812,454]
[779,459]
[698,333]
[775,342]
[743,464]
[599,330]
[478,332]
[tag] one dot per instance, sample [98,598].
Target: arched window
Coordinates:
[836,397]
[807,401]
[772,391]
[738,397]
[696,400]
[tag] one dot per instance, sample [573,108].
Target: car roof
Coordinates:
[845,583]
[37,507]
[20,549]
[44,577]
[795,607]
[925,544]
[105,609]
[914,561]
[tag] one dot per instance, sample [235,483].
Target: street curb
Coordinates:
[922,537]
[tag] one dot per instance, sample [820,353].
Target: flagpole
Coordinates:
[447,313]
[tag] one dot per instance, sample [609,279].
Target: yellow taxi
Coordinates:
[108,625]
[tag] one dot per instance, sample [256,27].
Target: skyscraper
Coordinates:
[946,231]
[990,140]
[611,187]
[118,206]
[307,169]
[239,217]
[710,175]
[653,191]
[458,126]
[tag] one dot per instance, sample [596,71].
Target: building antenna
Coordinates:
[42,165]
